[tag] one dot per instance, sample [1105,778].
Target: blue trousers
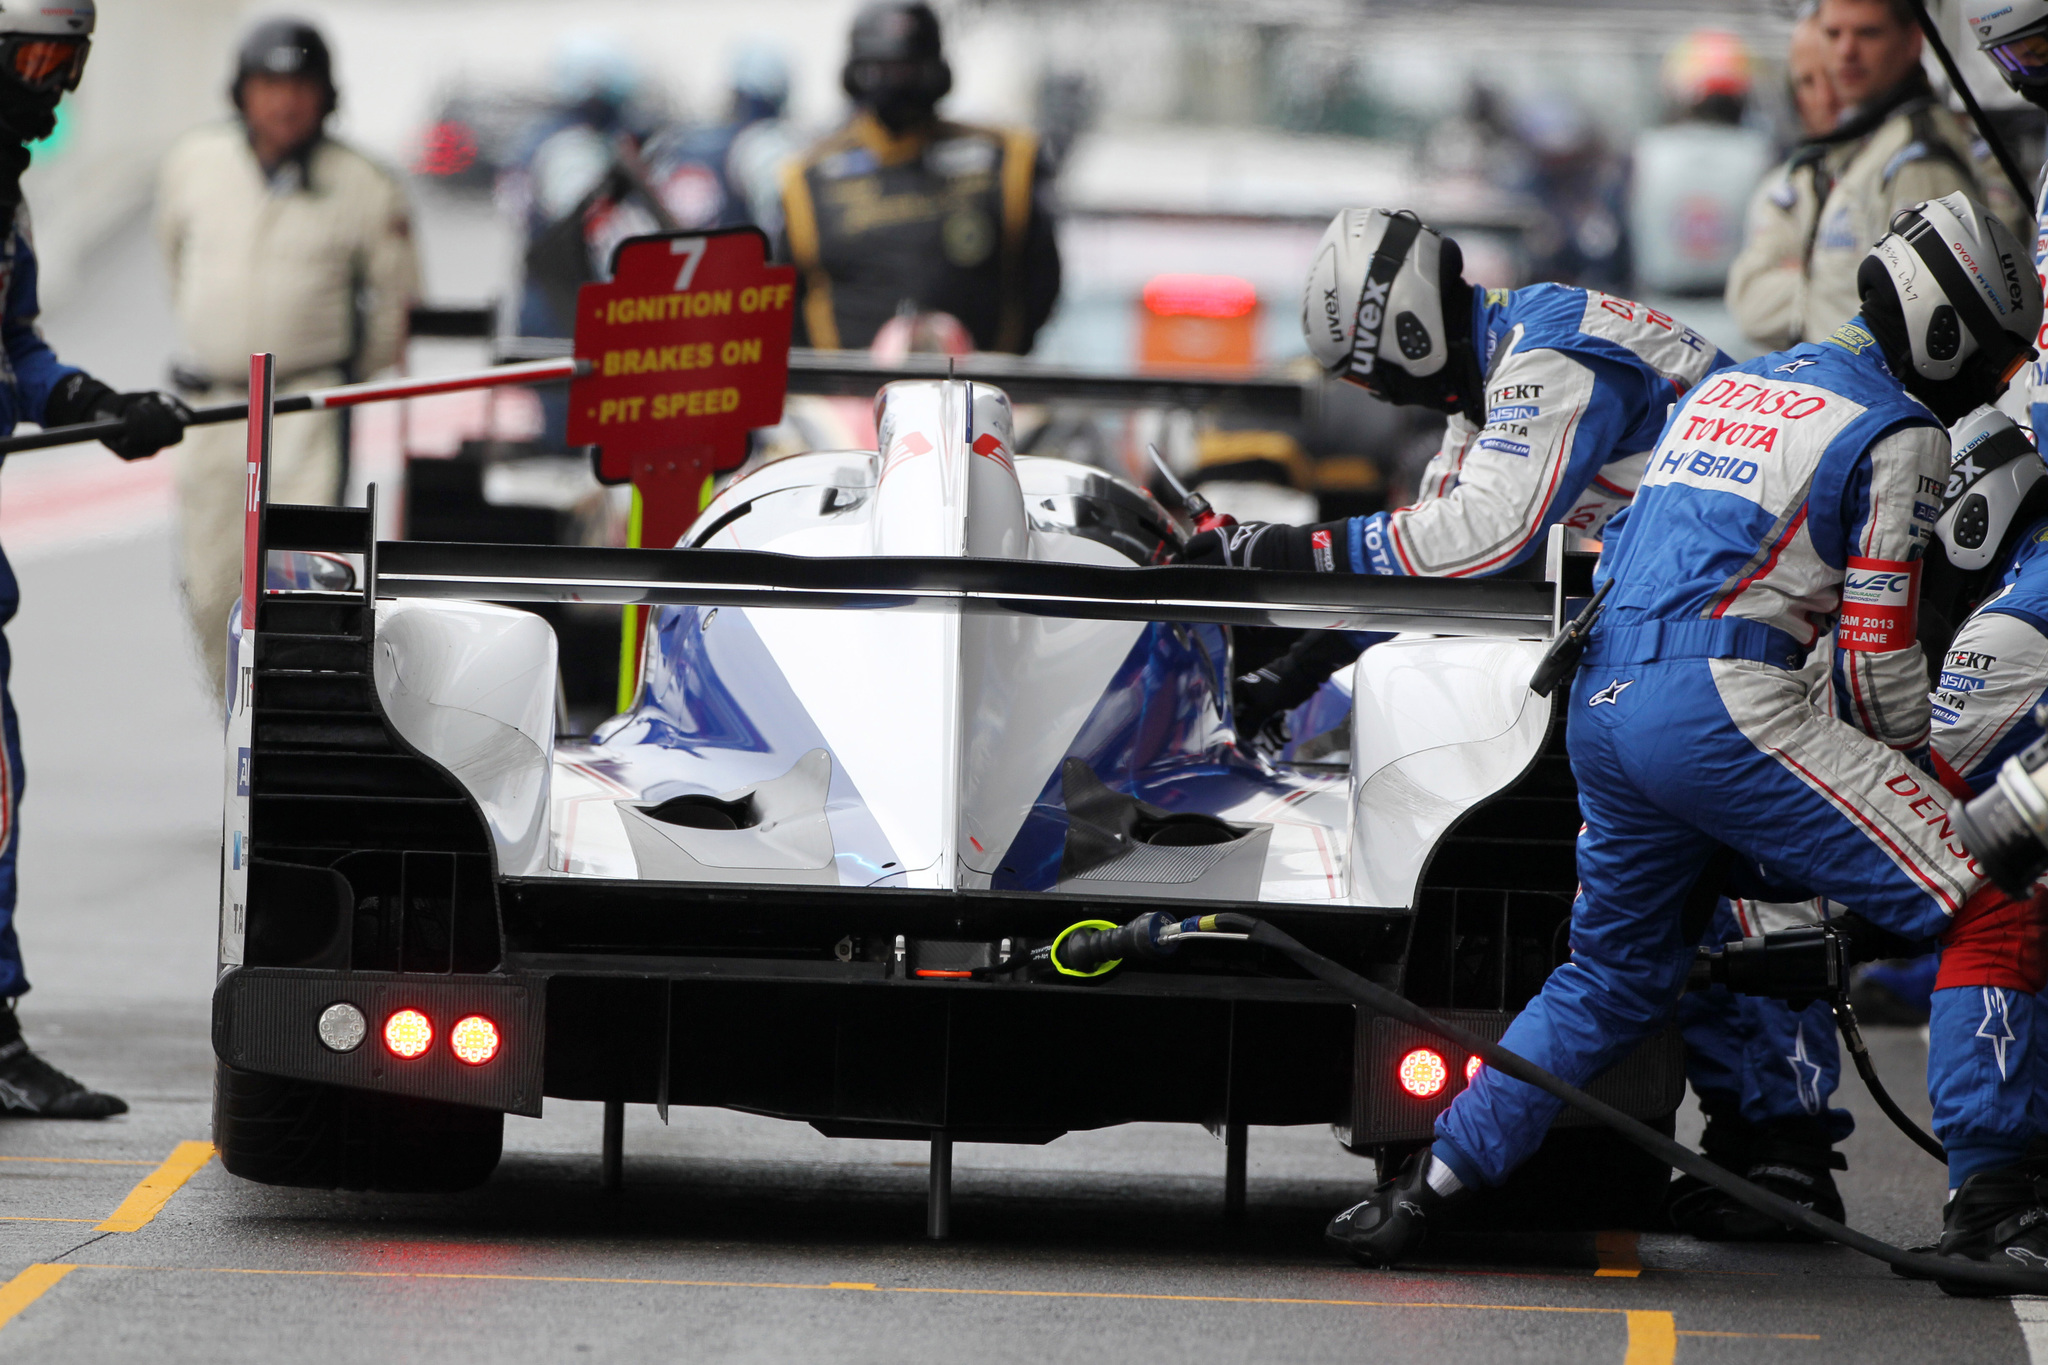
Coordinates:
[13,980]
[1673,760]
[1987,1075]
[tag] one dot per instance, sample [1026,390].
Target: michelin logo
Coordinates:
[1505,446]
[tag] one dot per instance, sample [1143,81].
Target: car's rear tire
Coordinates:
[285,1132]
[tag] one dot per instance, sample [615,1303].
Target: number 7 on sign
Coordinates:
[691,249]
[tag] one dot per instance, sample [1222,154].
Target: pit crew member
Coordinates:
[43,49]
[902,211]
[1788,495]
[276,238]
[1554,395]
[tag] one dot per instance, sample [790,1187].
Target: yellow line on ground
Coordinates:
[1652,1339]
[25,1288]
[1757,1336]
[78,1160]
[1617,1256]
[147,1199]
[857,1287]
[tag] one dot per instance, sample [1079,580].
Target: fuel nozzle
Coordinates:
[1798,965]
[1094,947]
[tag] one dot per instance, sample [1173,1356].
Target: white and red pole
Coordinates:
[321,400]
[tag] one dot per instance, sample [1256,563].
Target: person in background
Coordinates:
[1895,145]
[276,237]
[728,174]
[1694,175]
[902,211]
[42,56]
[1767,280]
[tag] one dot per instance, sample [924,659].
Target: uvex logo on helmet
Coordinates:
[1372,313]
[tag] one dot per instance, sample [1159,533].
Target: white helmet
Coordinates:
[1373,310]
[1993,470]
[43,43]
[1967,291]
[50,18]
[2014,34]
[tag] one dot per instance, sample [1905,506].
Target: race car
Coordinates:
[905,717]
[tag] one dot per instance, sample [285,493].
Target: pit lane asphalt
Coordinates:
[738,1238]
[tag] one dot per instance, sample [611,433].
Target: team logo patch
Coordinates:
[1319,547]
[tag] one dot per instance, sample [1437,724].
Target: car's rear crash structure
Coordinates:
[904,717]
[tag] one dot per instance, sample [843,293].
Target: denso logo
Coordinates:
[1765,400]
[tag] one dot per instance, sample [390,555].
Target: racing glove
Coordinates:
[1321,548]
[151,419]
[1266,694]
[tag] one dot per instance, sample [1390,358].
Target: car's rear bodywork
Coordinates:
[949,716]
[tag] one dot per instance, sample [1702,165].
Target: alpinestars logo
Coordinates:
[1806,1074]
[1319,547]
[1793,366]
[1997,1027]
[1610,694]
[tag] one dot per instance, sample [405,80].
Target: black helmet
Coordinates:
[894,64]
[284,47]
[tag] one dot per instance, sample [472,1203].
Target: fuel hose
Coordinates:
[1155,934]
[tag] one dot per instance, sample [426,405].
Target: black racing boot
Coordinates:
[31,1088]
[1791,1158]
[1998,1218]
[1393,1221]
[1727,1142]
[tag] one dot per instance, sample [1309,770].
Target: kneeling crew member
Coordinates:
[42,54]
[1794,491]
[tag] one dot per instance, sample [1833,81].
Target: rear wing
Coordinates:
[1531,607]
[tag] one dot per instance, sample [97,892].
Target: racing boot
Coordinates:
[1789,1157]
[1999,1217]
[31,1088]
[1394,1220]
[1727,1142]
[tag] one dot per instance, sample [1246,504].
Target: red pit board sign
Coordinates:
[688,348]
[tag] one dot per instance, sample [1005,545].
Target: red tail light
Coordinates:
[408,1034]
[1423,1073]
[474,1040]
[1472,1065]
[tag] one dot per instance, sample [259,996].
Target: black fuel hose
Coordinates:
[1845,1020]
[1383,1001]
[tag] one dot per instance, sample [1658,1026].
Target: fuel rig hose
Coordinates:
[1087,950]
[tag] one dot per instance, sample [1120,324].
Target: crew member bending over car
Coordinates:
[1791,495]
[42,54]
[1554,396]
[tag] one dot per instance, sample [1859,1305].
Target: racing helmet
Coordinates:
[43,45]
[1968,293]
[283,47]
[2014,34]
[1992,471]
[1374,308]
[894,62]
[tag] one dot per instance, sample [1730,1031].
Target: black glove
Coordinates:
[152,419]
[1266,694]
[1321,548]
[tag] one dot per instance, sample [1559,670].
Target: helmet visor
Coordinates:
[2023,60]
[45,64]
